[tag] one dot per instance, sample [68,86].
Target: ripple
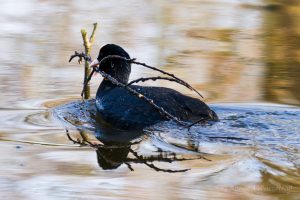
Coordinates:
[261,139]
[263,126]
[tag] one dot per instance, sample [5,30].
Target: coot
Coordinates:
[119,107]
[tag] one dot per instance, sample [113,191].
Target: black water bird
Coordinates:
[122,109]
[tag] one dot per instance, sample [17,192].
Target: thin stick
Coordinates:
[140,159]
[154,78]
[114,81]
[153,68]
[87,43]
[228,138]
[113,57]
[103,146]
[174,79]
[169,74]
[152,166]
[139,95]
[85,84]
[161,159]
[86,79]
[196,122]
[80,55]
[129,166]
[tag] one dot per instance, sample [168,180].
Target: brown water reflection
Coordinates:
[281,37]
[230,50]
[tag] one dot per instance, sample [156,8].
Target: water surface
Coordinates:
[243,56]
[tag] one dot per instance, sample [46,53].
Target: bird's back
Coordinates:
[125,110]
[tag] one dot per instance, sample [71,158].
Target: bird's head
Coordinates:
[117,68]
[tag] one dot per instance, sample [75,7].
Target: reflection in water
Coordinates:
[281,38]
[112,154]
[266,164]
[251,136]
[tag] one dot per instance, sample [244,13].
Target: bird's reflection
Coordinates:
[112,155]
[115,147]
[120,147]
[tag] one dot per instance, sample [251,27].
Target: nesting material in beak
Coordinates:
[94,63]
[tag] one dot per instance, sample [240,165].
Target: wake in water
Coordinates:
[254,145]
[267,131]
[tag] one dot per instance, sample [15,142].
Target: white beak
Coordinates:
[94,63]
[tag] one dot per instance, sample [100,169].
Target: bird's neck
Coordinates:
[118,70]
[107,85]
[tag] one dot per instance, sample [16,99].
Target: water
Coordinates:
[243,56]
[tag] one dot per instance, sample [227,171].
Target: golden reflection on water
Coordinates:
[231,51]
[281,53]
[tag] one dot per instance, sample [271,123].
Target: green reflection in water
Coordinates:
[281,52]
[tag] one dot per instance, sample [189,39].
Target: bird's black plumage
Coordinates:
[122,109]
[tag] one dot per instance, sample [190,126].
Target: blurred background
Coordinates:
[230,50]
[237,51]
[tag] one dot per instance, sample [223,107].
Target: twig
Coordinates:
[85,84]
[113,57]
[160,159]
[116,82]
[81,143]
[87,43]
[152,166]
[129,166]
[154,78]
[80,55]
[92,37]
[169,74]
[89,60]
[180,81]
[196,122]
[228,138]
[139,158]
[103,146]
[139,95]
